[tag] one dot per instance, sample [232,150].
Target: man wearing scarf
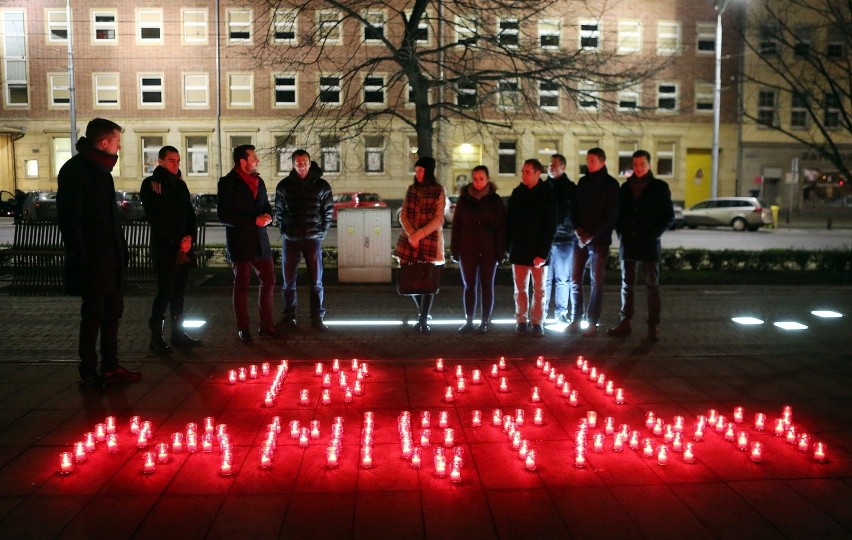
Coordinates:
[95,250]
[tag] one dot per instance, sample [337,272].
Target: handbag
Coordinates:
[418,278]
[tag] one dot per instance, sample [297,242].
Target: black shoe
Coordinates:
[591,331]
[466,328]
[621,330]
[483,327]
[521,328]
[158,345]
[537,330]
[574,327]
[289,322]
[244,335]
[270,332]
[422,327]
[181,340]
[92,381]
[120,374]
[318,325]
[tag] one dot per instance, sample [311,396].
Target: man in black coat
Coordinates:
[169,211]
[562,249]
[304,208]
[95,250]
[243,208]
[645,213]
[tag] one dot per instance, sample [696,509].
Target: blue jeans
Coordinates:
[560,278]
[628,289]
[597,262]
[291,253]
[478,271]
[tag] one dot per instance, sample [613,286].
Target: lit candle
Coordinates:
[658,427]
[698,435]
[601,381]
[226,469]
[529,463]
[476,377]
[461,386]
[592,418]
[112,443]
[730,435]
[502,363]
[650,420]
[780,428]
[66,463]
[264,369]
[618,443]
[326,396]
[232,376]
[677,427]
[787,415]
[110,424]
[742,440]
[738,415]
[523,449]
[326,380]
[358,388]
[593,374]
[192,442]
[677,442]
[579,362]
[459,372]
[142,440]
[162,453]
[440,466]
[539,362]
[648,448]
[269,400]
[148,465]
[335,365]
[494,371]
[331,459]
[688,453]
[318,369]
[134,424]
[504,385]
[819,452]
[720,424]
[448,395]
[668,434]
[633,443]
[476,418]
[598,442]
[804,442]
[347,395]
[619,396]
[415,458]
[315,429]
[516,438]
[574,398]
[406,448]
[536,394]
[304,397]
[455,475]
[439,365]
[89,443]
[609,425]
[538,417]
[496,418]
[425,436]
[209,424]
[756,452]
[449,437]
[712,416]
[790,438]
[425,419]
[303,437]
[207,443]
[662,455]
[519,417]
[560,380]
[355,364]
[551,375]
[759,421]
[100,432]
[79,451]
[443,419]
[580,458]
[265,458]
[566,389]
[610,388]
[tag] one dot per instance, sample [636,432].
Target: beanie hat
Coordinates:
[427,163]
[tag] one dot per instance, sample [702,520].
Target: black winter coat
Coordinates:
[95,249]
[244,240]
[304,207]
[169,212]
[595,207]
[479,226]
[563,190]
[530,223]
[642,221]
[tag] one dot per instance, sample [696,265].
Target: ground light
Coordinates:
[790,325]
[193,323]
[747,321]
[826,314]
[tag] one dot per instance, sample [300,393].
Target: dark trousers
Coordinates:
[596,260]
[478,273]
[99,312]
[292,252]
[171,288]
[628,289]
[265,271]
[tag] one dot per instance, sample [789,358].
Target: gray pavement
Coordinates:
[703,361]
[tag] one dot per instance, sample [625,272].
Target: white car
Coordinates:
[739,213]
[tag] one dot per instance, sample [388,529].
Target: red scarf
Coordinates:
[251,181]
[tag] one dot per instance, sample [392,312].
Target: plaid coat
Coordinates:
[422,210]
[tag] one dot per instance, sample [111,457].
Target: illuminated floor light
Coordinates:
[363,323]
[790,325]
[826,314]
[193,323]
[556,327]
[747,321]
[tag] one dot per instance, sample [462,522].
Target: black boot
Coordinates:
[179,337]
[157,344]
[425,308]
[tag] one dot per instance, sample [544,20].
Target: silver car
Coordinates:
[740,213]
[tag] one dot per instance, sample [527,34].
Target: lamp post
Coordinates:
[720,6]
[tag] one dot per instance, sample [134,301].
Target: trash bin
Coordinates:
[775,211]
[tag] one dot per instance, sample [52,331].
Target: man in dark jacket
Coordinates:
[645,213]
[95,250]
[304,210]
[530,224]
[243,208]
[169,211]
[594,211]
[563,242]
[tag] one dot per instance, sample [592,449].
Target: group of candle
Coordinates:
[243,374]
[277,381]
[599,378]
[367,429]
[411,452]
[476,378]
[104,433]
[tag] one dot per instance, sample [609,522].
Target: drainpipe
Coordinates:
[72,89]
[218,93]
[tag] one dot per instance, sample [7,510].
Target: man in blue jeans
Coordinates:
[563,242]
[304,210]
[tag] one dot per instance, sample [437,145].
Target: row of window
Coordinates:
[800,116]
[834,42]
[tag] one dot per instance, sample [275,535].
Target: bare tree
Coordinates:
[802,50]
[420,62]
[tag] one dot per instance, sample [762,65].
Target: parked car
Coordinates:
[129,205]
[449,210]
[205,206]
[356,199]
[679,221]
[740,213]
[8,203]
[39,206]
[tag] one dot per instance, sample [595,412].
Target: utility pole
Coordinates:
[72,107]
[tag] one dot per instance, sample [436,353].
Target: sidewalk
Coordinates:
[703,361]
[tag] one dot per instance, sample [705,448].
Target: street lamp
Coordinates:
[720,6]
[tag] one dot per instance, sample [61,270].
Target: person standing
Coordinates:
[563,242]
[304,209]
[594,211]
[243,208]
[530,225]
[422,236]
[95,250]
[478,243]
[645,213]
[165,199]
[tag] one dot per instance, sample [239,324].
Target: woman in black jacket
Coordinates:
[478,243]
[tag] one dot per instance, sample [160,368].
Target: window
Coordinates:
[374,90]
[240,89]
[628,99]
[625,157]
[804,39]
[239,25]
[466,32]
[705,38]
[197,155]
[590,35]
[285,145]
[665,159]
[766,108]
[149,25]
[835,44]
[15,59]
[549,33]
[150,145]
[106,89]
[588,96]
[195,90]
[329,90]
[831,115]
[194,25]
[508,96]
[330,153]
[668,38]
[284,26]
[374,154]
[329,26]
[629,37]
[508,33]
[466,93]
[285,90]
[768,44]
[799,110]
[412,152]
[57,26]
[667,97]
[548,95]
[704,97]
[374,29]
[239,140]
[151,90]
[421,35]
[61,153]
[60,93]
[31,168]
[103,26]
[507,157]
[546,148]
